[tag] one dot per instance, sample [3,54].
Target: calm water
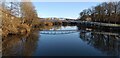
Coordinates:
[63,41]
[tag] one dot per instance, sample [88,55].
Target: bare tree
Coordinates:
[105,12]
[29,14]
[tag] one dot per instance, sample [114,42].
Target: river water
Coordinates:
[63,41]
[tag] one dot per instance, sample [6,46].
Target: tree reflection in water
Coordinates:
[17,45]
[26,45]
[108,44]
[20,45]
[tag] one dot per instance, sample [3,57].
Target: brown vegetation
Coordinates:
[108,12]
[17,18]
[21,17]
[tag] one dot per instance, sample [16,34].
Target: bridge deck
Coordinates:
[95,23]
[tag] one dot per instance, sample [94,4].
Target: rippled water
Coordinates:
[64,41]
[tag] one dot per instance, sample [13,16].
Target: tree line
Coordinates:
[107,12]
[17,17]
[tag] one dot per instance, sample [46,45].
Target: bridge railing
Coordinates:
[95,23]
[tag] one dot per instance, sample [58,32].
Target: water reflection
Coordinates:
[108,43]
[20,45]
[56,27]
[103,40]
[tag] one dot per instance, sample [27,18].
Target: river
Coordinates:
[63,41]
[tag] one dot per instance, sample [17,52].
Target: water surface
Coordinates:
[63,41]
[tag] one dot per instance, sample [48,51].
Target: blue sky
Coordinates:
[62,9]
